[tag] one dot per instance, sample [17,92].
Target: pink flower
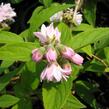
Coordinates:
[6,12]
[42,35]
[68,52]
[77,59]
[37,55]
[51,55]
[53,72]
[57,35]
[48,34]
[68,68]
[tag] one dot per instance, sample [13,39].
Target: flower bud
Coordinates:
[51,55]
[37,55]
[67,67]
[77,59]
[67,52]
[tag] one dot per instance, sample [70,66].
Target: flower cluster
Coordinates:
[67,16]
[6,13]
[52,50]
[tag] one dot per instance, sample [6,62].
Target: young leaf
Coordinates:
[8,100]
[56,95]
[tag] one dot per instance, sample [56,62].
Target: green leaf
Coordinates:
[103,42]
[5,64]
[55,95]
[85,90]
[106,51]
[8,100]
[73,103]
[90,11]
[95,66]
[46,2]
[35,69]
[8,37]
[39,16]
[88,50]
[66,33]
[83,27]
[5,79]
[88,37]
[17,52]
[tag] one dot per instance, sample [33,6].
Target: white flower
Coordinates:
[78,19]
[54,72]
[6,12]
[57,17]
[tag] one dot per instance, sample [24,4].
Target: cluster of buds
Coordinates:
[67,16]
[6,13]
[52,50]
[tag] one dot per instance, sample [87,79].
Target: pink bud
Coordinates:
[68,53]
[67,68]
[77,59]
[37,55]
[51,55]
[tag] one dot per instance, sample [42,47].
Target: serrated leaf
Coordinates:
[55,95]
[8,100]
[8,37]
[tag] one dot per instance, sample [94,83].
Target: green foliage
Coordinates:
[46,2]
[86,91]
[73,103]
[20,84]
[55,95]
[41,15]
[88,37]
[90,11]
[8,100]
[17,52]
[8,37]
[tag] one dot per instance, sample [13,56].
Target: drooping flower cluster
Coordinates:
[6,12]
[68,16]
[52,50]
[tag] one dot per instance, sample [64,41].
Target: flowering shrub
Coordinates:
[41,67]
